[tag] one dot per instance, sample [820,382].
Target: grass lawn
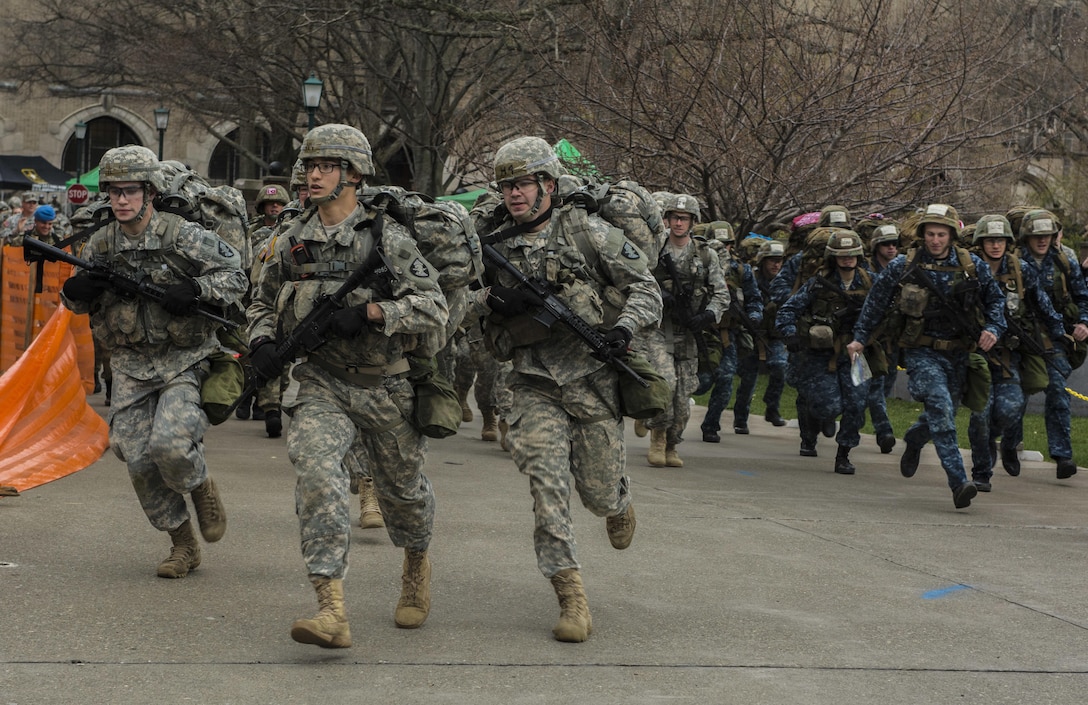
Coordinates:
[904,413]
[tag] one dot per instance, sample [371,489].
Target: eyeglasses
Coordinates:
[127,191]
[521,185]
[322,167]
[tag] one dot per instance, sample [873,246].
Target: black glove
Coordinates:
[618,340]
[181,299]
[348,322]
[793,343]
[701,321]
[263,358]
[511,302]
[84,287]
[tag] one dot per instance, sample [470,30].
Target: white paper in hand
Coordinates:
[859,370]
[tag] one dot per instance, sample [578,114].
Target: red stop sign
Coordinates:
[78,194]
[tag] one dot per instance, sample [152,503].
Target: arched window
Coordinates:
[103,134]
[228,164]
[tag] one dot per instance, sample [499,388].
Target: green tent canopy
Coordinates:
[90,180]
[574,161]
[466,199]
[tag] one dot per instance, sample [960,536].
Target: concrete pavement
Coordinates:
[755,576]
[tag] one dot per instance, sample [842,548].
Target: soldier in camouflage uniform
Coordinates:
[700,276]
[744,303]
[266,403]
[936,338]
[1029,312]
[769,350]
[160,350]
[818,320]
[355,384]
[566,418]
[478,370]
[883,248]
[1060,277]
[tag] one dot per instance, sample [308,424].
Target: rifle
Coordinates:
[554,309]
[853,305]
[309,334]
[685,310]
[960,314]
[119,281]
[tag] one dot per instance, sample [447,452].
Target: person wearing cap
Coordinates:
[956,310]
[1029,312]
[770,351]
[1060,277]
[19,224]
[883,248]
[44,219]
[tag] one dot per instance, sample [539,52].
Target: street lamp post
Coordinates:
[81,132]
[311,97]
[162,120]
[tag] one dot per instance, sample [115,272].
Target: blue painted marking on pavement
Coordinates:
[748,473]
[934,594]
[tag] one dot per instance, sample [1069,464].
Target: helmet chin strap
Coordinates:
[539,196]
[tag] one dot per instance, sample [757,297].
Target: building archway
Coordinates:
[103,134]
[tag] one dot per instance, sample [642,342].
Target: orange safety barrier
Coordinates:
[47,429]
[19,303]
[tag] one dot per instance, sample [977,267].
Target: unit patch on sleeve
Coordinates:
[419,269]
[630,251]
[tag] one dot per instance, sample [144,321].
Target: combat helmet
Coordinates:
[342,142]
[889,232]
[992,226]
[298,175]
[1039,222]
[717,231]
[939,214]
[683,203]
[526,156]
[770,248]
[271,193]
[834,217]
[129,163]
[662,198]
[844,243]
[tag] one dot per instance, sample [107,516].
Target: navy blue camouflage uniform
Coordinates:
[936,363]
[774,358]
[748,296]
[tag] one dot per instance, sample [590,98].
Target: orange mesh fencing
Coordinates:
[47,429]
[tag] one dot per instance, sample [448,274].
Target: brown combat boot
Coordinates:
[466,410]
[370,513]
[672,458]
[184,556]
[640,428]
[656,455]
[209,511]
[575,623]
[415,592]
[329,628]
[490,430]
[621,528]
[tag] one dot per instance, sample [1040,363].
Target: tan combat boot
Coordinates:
[656,456]
[209,511]
[466,410]
[184,556]
[640,428]
[575,623]
[415,593]
[504,428]
[329,629]
[370,513]
[621,528]
[490,430]
[672,458]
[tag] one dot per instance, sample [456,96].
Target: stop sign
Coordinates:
[78,194]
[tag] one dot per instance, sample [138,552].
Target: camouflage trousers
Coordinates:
[158,428]
[476,369]
[830,394]
[326,418]
[722,391]
[748,371]
[270,394]
[1057,411]
[937,379]
[563,433]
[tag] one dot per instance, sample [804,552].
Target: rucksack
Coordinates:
[443,231]
[625,205]
[221,209]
